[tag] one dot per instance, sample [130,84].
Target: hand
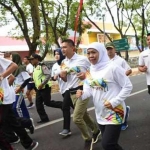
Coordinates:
[144,68]
[81,75]
[40,86]
[79,93]
[18,90]
[55,77]
[63,74]
[108,105]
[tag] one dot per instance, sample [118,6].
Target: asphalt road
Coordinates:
[136,137]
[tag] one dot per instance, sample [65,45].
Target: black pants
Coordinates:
[148,89]
[9,120]
[110,137]
[67,103]
[44,95]
[9,133]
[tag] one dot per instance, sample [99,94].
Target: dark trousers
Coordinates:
[110,137]
[67,103]
[44,95]
[9,133]
[9,120]
[148,86]
[4,144]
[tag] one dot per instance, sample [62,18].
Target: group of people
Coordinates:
[101,75]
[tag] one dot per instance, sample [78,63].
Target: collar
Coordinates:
[73,57]
[115,57]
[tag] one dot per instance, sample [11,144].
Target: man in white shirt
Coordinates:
[31,84]
[73,68]
[7,116]
[122,63]
[144,62]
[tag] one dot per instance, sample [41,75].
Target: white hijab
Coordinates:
[103,56]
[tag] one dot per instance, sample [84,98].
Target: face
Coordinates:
[148,41]
[34,61]
[57,56]
[93,56]
[111,52]
[67,49]
[26,61]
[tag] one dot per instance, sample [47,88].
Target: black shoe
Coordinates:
[31,105]
[31,128]
[43,121]
[15,141]
[88,145]
[33,146]
[96,136]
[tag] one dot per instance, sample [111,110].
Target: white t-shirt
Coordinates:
[21,77]
[55,71]
[30,69]
[121,62]
[73,64]
[106,85]
[144,59]
[8,93]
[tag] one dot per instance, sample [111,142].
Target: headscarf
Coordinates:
[17,59]
[103,56]
[62,57]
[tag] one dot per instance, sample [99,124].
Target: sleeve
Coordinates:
[47,74]
[86,65]
[124,83]
[141,60]
[45,70]
[52,73]
[125,65]
[5,63]
[55,70]
[25,75]
[87,91]
[30,69]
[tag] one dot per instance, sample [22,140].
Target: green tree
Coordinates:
[23,12]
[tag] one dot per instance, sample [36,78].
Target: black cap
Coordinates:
[35,56]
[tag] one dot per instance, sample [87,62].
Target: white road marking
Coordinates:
[89,109]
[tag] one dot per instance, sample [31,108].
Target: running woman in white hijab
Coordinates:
[108,91]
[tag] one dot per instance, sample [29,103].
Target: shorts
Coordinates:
[148,88]
[31,86]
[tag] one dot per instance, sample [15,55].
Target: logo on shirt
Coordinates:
[96,83]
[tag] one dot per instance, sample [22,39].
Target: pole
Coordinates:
[104,28]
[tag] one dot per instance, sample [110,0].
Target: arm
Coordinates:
[86,93]
[142,67]
[127,68]
[128,72]
[46,72]
[11,68]
[11,79]
[125,85]
[63,75]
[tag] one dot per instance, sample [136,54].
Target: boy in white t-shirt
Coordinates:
[31,84]
[6,113]
[144,62]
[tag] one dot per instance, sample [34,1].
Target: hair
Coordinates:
[148,34]
[27,57]
[7,54]
[69,41]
